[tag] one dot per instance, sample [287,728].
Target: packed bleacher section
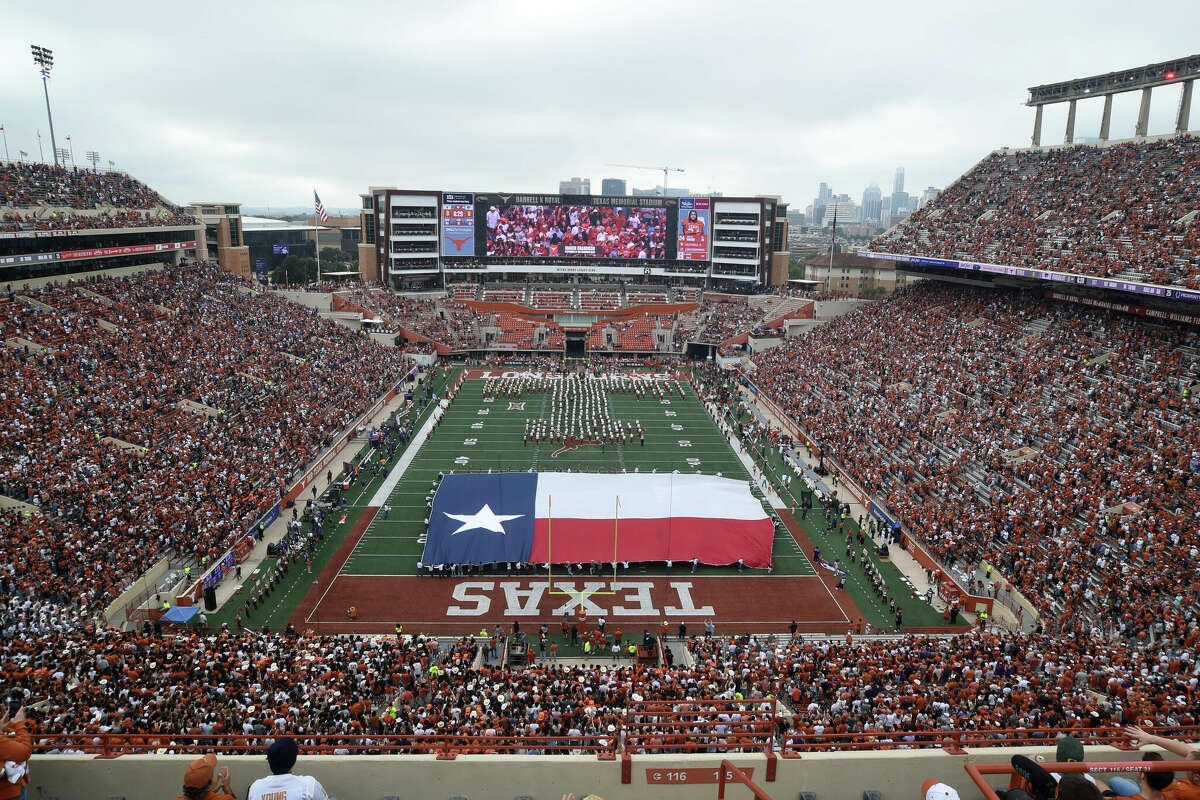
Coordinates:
[1102,211]
[723,317]
[233,684]
[32,197]
[884,688]
[159,414]
[1002,426]
[12,222]
[924,398]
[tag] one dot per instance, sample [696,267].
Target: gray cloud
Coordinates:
[260,102]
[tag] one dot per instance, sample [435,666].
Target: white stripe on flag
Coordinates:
[642,496]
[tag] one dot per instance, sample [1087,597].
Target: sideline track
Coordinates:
[397,472]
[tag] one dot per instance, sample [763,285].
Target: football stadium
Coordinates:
[568,494]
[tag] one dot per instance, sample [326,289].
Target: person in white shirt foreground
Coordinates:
[281,784]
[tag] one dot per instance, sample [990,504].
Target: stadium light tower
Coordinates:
[93,157]
[44,58]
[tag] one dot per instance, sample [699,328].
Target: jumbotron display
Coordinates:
[576,231]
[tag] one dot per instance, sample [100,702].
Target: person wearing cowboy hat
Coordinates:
[203,781]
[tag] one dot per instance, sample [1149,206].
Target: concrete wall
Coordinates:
[368,269]
[829,309]
[318,300]
[833,776]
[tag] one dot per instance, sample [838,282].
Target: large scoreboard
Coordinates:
[551,226]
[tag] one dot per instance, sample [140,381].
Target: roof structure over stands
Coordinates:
[1145,78]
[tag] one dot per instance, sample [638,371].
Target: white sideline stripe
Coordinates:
[397,472]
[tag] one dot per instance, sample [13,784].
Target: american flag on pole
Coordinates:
[320,208]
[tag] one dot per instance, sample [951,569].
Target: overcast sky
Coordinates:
[258,103]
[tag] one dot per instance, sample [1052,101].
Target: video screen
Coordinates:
[693,229]
[458,224]
[576,231]
[280,249]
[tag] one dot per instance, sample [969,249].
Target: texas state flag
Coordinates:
[559,517]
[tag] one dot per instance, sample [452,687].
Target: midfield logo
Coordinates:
[516,406]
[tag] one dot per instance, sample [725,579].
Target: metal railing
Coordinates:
[978,771]
[953,741]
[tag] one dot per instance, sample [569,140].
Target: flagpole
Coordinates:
[616,522]
[317,240]
[832,243]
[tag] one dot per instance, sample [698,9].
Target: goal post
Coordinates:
[582,593]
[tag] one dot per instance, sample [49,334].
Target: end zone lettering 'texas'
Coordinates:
[634,599]
[554,376]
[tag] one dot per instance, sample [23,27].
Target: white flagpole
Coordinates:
[317,237]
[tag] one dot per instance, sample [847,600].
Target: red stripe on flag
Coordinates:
[680,539]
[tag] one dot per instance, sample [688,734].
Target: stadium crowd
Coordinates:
[158,413]
[978,682]
[1002,426]
[11,222]
[27,185]
[163,690]
[1098,211]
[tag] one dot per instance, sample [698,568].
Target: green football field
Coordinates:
[478,434]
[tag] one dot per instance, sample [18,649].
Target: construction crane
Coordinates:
[665,170]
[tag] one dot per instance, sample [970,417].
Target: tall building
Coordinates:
[872,204]
[845,210]
[612,186]
[900,201]
[575,186]
[824,193]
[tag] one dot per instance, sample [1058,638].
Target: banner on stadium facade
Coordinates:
[880,513]
[136,249]
[1141,311]
[553,517]
[1135,287]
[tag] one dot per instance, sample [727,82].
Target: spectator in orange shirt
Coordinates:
[203,781]
[16,747]
[1181,789]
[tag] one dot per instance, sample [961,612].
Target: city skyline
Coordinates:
[874,202]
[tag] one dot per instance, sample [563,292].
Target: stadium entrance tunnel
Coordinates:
[575,344]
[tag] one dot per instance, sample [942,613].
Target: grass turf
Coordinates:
[394,545]
[478,434]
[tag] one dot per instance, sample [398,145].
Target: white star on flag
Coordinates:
[483,518]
